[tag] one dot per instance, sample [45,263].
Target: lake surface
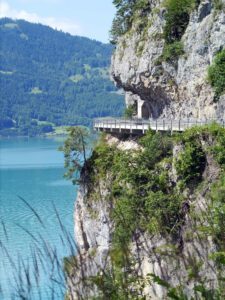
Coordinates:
[32,169]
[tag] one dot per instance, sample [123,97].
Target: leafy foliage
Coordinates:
[191,162]
[218,149]
[178,293]
[171,52]
[127,11]
[114,285]
[177,18]
[148,199]
[216,74]
[217,222]
[69,263]
[75,152]
[129,111]
[50,76]
[219,4]
[214,131]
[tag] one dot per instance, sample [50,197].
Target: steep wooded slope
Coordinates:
[51,76]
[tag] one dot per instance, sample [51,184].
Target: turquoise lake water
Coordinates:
[32,169]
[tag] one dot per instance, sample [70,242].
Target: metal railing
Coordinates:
[137,125]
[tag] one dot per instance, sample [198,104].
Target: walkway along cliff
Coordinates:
[150,212]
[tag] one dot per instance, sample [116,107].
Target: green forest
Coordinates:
[50,78]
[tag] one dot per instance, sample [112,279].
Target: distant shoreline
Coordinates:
[58,131]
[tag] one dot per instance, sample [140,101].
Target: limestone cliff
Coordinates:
[171,89]
[183,261]
[149,218]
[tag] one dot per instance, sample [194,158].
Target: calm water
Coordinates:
[32,169]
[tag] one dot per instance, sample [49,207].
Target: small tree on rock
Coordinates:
[75,152]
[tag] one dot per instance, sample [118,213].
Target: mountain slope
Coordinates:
[50,76]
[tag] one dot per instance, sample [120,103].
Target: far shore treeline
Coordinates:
[49,78]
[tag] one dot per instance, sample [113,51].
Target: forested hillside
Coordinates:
[50,78]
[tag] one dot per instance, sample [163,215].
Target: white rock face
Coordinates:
[92,225]
[92,230]
[172,91]
[152,254]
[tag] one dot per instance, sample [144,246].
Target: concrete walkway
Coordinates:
[140,126]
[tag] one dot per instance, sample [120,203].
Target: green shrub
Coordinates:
[219,152]
[191,163]
[215,218]
[217,221]
[179,293]
[128,11]
[124,216]
[214,133]
[69,264]
[102,157]
[177,18]
[171,52]
[156,146]
[218,4]
[216,74]
[218,257]
[129,112]
[164,211]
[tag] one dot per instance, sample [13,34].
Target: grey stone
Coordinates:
[180,90]
[204,10]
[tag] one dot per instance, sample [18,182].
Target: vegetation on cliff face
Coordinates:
[137,16]
[149,196]
[176,21]
[216,74]
[127,12]
[75,150]
[177,18]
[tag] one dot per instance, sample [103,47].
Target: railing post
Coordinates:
[171,126]
[163,124]
[179,124]
[156,126]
